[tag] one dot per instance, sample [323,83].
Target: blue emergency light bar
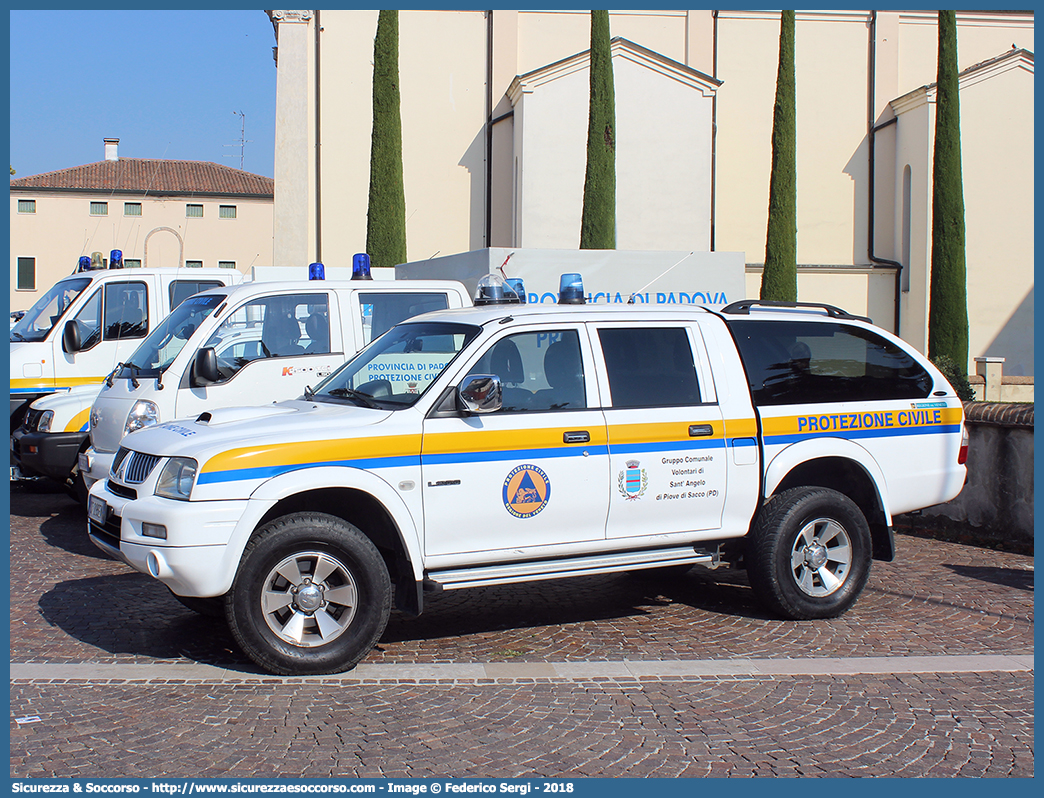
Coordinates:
[116,259]
[361,266]
[316,271]
[84,264]
[571,290]
[519,287]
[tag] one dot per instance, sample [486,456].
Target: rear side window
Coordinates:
[649,367]
[381,312]
[180,290]
[798,362]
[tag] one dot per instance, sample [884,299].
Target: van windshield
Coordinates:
[41,318]
[164,343]
[396,369]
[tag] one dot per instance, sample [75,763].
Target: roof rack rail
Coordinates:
[744,305]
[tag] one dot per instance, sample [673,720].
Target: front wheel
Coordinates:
[809,553]
[312,595]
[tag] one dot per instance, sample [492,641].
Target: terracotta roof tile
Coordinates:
[140,175]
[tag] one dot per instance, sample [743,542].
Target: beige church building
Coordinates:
[494,124]
[156,212]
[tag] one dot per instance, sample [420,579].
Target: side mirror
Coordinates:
[205,367]
[71,342]
[481,394]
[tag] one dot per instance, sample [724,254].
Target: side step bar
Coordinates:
[559,569]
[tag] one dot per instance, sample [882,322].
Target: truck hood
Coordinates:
[79,396]
[228,428]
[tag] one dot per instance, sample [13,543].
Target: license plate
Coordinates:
[97,510]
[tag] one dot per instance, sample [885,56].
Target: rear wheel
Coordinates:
[312,595]
[809,553]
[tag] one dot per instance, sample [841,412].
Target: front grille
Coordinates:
[137,468]
[120,454]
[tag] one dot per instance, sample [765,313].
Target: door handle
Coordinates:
[579,436]
[700,430]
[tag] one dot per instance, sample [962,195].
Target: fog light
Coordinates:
[153,530]
[157,566]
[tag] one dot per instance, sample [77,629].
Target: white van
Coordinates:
[249,345]
[90,321]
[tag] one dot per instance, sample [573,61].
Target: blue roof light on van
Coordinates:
[361,266]
[84,264]
[571,290]
[116,259]
[316,271]
[519,287]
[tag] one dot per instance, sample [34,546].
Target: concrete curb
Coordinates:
[498,672]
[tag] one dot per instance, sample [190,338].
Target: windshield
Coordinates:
[158,351]
[40,319]
[395,370]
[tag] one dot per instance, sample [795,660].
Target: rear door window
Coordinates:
[649,367]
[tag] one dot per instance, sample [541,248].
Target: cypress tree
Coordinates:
[386,213]
[598,225]
[779,278]
[948,298]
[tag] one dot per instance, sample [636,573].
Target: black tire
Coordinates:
[75,483]
[809,553]
[207,607]
[312,596]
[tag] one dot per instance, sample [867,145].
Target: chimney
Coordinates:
[110,149]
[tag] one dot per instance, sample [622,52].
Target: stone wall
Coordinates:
[995,508]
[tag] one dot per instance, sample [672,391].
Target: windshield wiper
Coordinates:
[351,393]
[131,367]
[20,336]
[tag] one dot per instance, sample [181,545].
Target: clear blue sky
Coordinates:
[167,84]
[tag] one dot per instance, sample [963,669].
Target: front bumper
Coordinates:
[48,454]
[95,465]
[195,559]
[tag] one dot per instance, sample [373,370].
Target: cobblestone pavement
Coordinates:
[71,605]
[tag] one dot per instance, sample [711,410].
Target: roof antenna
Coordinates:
[243,140]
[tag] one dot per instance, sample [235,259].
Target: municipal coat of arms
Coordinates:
[633,481]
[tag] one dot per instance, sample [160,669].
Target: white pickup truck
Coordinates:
[512,443]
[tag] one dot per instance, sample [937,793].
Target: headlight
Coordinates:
[176,478]
[46,419]
[143,414]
